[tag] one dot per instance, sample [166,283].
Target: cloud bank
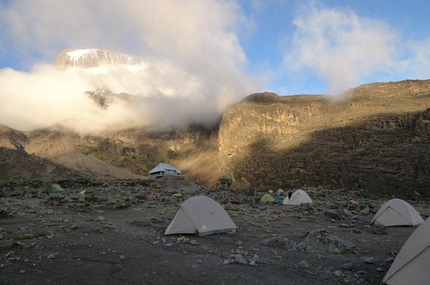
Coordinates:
[341,47]
[197,64]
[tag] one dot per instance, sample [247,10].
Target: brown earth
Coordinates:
[113,234]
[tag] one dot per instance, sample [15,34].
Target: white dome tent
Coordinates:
[298,197]
[397,212]
[411,264]
[201,215]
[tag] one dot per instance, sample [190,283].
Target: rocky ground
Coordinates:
[111,232]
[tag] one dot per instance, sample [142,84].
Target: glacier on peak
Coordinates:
[88,58]
[74,55]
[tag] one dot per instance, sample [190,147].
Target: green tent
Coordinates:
[53,188]
[267,198]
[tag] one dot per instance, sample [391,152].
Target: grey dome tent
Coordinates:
[201,215]
[397,212]
[411,264]
[298,197]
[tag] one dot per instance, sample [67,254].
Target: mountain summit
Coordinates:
[87,58]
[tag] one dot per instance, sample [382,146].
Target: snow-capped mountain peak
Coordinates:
[87,58]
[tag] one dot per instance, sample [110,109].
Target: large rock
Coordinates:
[319,241]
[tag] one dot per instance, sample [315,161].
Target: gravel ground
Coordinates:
[113,234]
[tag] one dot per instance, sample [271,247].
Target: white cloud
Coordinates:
[419,62]
[197,68]
[340,47]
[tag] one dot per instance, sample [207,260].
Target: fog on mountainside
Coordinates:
[194,65]
[160,93]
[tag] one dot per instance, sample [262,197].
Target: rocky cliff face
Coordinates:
[375,138]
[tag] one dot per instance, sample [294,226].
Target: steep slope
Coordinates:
[375,138]
[60,146]
[15,162]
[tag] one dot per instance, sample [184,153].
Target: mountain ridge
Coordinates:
[372,137]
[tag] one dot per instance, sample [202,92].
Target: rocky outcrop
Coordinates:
[373,138]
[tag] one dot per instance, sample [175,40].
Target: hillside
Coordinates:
[373,137]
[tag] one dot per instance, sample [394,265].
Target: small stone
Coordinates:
[337,273]
[304,264]
[369,260]
[180,239]
[252,263]
[122,257]
[199,261]
[348,266]
[168,244]
[51,256]
[239,243]
[379,269]
[194,242]
[239,259]
[22,271]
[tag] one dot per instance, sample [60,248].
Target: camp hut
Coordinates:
[411,264]
[164,169]
[397,212]
[201,215]
[267,198]
[54,188]
[298,197]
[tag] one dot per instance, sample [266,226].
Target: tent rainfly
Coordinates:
[298,197]
[397,212]
[267,198]
[54,188]
[411,264]
[201,215]
[164,169]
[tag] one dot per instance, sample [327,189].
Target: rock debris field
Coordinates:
[111,232]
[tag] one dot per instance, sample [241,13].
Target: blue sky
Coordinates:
[275,28]
[211,52]
[267,33]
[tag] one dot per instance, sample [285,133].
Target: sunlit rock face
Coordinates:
[373,137]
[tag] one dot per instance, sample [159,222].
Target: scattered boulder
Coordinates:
[319,241]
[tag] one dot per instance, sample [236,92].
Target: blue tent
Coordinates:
[164,169]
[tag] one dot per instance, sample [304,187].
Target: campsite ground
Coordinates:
[113,234]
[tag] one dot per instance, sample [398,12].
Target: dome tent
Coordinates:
[397,212]
[267,198]
[298,197]
[411,264]
[201,215]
